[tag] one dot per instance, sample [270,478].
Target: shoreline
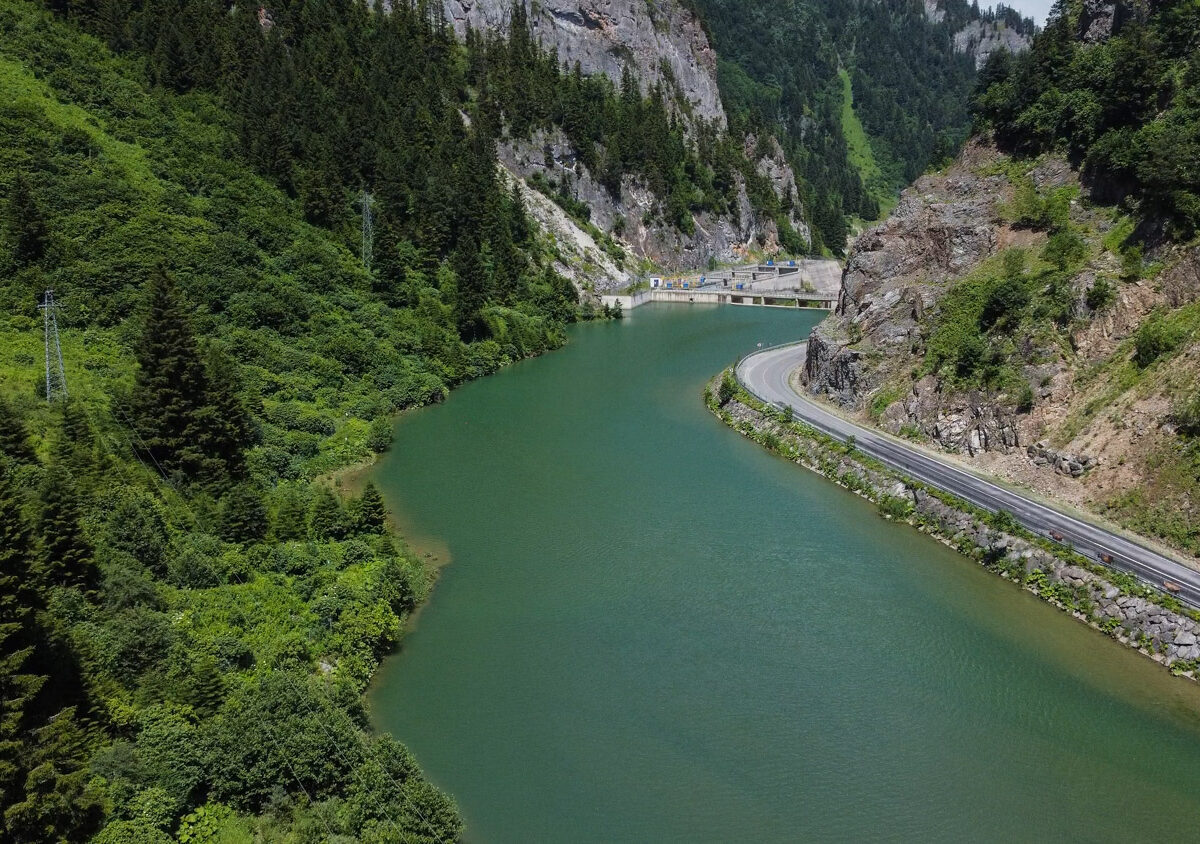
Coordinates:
[1140,618]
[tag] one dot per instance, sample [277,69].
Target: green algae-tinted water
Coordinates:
[653,630]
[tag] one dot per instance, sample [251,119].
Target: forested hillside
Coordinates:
[781,71]
[1035,306]
[1118,90]
[189,608]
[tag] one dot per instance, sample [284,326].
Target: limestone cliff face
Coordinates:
[630,216]
[651,37]
[980,39]
[661,42]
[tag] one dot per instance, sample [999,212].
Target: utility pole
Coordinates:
[368,228]
[56,377]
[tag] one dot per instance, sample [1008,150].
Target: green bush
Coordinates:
[1156,337]
[1101,294]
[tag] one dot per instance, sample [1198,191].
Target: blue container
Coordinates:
[741,286]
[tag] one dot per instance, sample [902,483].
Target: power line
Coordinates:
[56,377]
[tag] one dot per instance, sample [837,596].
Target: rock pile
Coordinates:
[1064,463]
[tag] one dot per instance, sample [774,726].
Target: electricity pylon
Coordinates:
[368,228]
[56,377]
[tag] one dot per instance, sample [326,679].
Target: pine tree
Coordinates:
[77,444]
[171,384]
[224,422]
[291,517]
[243,515]
[14,440]
[327,518]
[371,515]
[27,226]
[65,557]
[18,687]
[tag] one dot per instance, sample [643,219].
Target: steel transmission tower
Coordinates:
[56,377]
[368,228]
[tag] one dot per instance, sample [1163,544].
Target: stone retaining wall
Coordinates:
[1115,603]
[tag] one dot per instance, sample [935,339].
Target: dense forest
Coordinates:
[1126,109]
[781,71]
[190,607]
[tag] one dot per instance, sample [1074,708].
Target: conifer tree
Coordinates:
[170,382]
[26,225]
[18,686]
[291,517]
[371,515]
[327,519]
[77,443]
[65,557]
[243,515]
[14,440]
[223,421]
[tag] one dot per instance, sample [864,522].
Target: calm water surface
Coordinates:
[653,630]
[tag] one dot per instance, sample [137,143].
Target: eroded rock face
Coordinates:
[661,42]
[980,39]
[943,226]
[605,36]
[630,216]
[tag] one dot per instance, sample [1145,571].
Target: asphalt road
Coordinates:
[766,375]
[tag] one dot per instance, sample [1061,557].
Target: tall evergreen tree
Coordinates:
[65,557]
[171,384]
[14,439]
[371,515]
[243,515]
[26,224]
[327,518]
[18,686]
[223,421]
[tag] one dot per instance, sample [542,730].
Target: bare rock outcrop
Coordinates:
[980,39]
[658,39]
[943,226]
[662,43]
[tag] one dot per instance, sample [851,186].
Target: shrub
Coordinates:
[1101,294]
[894,506]
[727,390]
[1065,249]
[1155,338]
[1186,415]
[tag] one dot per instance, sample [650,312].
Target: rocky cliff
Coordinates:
[662,43]
[657,39]
[969,320]
[982,38]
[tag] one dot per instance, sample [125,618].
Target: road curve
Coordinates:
[767,376]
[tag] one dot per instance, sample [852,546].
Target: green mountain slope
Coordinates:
[784,66]
[188,611]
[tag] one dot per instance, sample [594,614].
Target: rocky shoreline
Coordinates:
[1147,620]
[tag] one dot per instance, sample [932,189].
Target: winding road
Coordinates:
[767,376]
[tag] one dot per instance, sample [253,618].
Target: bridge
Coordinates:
[806,284]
